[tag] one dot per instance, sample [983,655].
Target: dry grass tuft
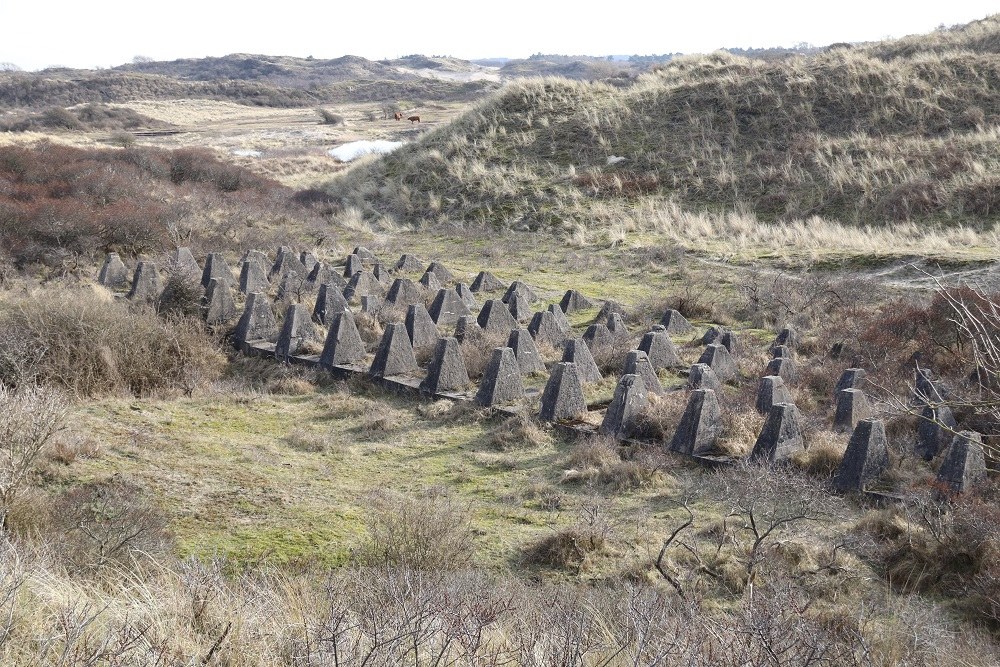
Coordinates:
[824,454]
[519,432]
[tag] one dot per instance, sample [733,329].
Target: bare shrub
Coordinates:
[182,295]
[824,454]
[68,446]
[477,351]
[328,117]
[659,419]
[574,547]
[427,532]
[741,426]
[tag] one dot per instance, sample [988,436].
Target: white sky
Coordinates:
[102,33]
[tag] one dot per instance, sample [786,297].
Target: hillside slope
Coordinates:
[849,135]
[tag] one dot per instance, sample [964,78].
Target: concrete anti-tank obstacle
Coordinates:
[257,322]
[560,318]
[430,282]
[616,325]
[253,277]
[788,337]
[660,350]
[780,352]
[381,274]
[519,307]
[607,308]
[573,301]
[518,287]
[934,431]
[495,317]
[352,265]
[219,305]
[146,284]
[329,302]
[675,323]
[308,261]
[852,378]
[964,463]
[501,383]
[323,274]
[420,328]
[771,389]
[288,287]
[404,292]
[718,358]
[575,351]
[852,407]
[363,283]
[598,337]
[528,359]
[784,367]
[217,268]
[700,426]
[487,282]
[113,273]
[394,355]
[730,341]
[364,253]
[927,391]
[447,307]
[441,272]
[866,458]
[343,342]
[629,401]
[637,363]
[467,296]
[408,263]
[466,329]
[545,329]
[562,397]
[370,305]
[446,371]
[182,261]
[701,376]
[781,436]
[284,262]
[294,331]
[711,335]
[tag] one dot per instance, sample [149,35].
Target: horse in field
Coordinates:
[413,119]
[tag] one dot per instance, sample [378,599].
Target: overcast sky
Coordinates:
[103,33]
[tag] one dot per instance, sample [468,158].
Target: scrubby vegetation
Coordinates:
[85,118]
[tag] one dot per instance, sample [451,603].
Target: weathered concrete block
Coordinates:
[616,325]
[852,407]
[784,367]
[219,305]
[429,281]
[182,261]
[447,307]
[560,318]
[660,349]
[575,351]
[964,463]
[700,426]
[770,390]
[364,253]
[295,329]
[323,274]
[467,296]
[676,323]
[343,341]
[866,458]
[146,284]
[441,272]
[381,274]
[290,287]
[934,431]
[352,265]
[286,261]
[637,363]
[257,322]
[420,328]
[544,329]
[926,390]
[517,287]
[780,352]
[404,292]
[409,263]
[852,378]
[701,376]
[307,260]
[501,383]
[788,337]
[718,358]
[573,301]
[711,336]
[607,308]
[519,307]
[466,329]
[598,337]
[495,317]
[216,268]
[562,397]
[253,277]
[394,355]
[363,283]
[781,436]
[730,341]
[329,302]
[370,305]
[629,401]
[113,273]
[487,282]
[525,352]
[446,371]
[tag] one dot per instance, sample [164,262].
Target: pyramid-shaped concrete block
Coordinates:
[562,397]
[113,273]
[343,342]
[329,302]
[926,390]
[371,305]
[146,284]
[381,274]
[216,268]
[701,376]
[364,253]
[257,322]
[787,337]
[771,389]
[573,301]
[781,436]
[308,261]
[285,261]
[501,383]
[675,323]
[495,317]
[466,329]
[598,337]
[629,401]
[575,351]
[420,328]
[323,274]
[730,341]
[781,351]
[660,349]
[447,307]
[409,263]
[446,371]
[394,355]
[784,367]
[352,265]
[518,287]
[295,330]
[866,458]
[637,363]
[253,277]
[544,329]
[289,287]
[183,262]
[852,378]
[607,308]
[718,358]
[467,296]
[219,305]
[616,325]
[852,407]
[519,307]
[934,431]
[430,282]
[525,352]
[700,426]
[487,282]
[560,318]
[964,463]
[404,292]
[363,283]
[443,275]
